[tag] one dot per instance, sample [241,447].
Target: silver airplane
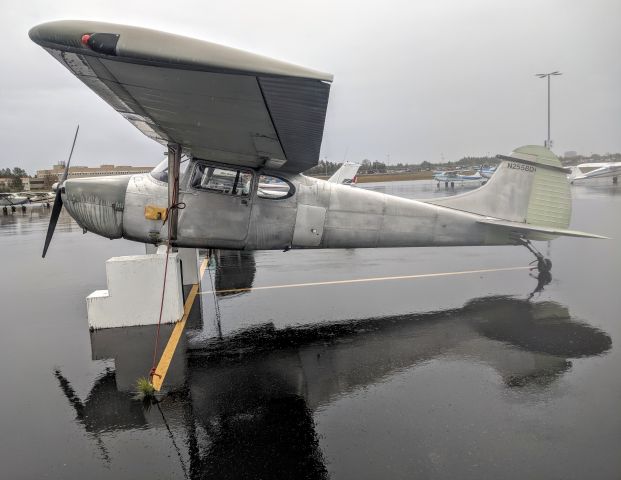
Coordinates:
[232,121]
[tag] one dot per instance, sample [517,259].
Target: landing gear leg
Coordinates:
[5,210]
[445,184]
[13,208]
[23,208]
[453,185]
[544,265]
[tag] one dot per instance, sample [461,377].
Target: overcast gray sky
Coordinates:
[416,80]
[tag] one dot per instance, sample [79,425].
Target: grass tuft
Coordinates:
[144,388]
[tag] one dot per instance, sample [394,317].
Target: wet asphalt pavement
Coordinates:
[463,376]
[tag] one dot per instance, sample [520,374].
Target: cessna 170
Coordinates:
[233,121]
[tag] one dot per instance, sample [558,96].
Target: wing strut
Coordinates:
[174,161]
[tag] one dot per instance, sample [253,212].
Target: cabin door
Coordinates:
[218,201]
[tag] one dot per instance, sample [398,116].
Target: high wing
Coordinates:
[219,103]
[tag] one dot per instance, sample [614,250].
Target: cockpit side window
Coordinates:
[274,188]
[221,180]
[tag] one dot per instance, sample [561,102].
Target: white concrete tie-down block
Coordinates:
[135,291]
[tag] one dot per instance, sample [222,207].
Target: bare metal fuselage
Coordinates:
[319,214]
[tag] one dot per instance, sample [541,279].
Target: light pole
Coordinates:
[548,143]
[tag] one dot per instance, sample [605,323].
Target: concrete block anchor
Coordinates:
[135,291]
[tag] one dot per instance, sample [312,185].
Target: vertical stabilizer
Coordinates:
[529,186]
[346,174]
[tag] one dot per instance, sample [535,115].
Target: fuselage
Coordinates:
[312,214]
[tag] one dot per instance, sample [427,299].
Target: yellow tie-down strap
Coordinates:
[153,212]
[162,367]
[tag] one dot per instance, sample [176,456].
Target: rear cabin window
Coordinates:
[222,180]
[274,187]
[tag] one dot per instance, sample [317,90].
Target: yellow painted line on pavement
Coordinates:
[175,336]
[363,280]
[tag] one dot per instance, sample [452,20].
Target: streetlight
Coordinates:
[548,143]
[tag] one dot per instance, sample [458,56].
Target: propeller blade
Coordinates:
[58,200]
[66,172]
[58,206]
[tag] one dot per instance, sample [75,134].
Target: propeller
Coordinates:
[58,201]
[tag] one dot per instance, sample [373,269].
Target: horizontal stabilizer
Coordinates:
[528,228]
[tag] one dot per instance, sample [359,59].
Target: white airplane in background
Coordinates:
[587,171]
[453,176]
[13,199]
[346,174]
[16,199]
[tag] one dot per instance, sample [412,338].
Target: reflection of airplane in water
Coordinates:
[590,171]
[235,270]
[255,392]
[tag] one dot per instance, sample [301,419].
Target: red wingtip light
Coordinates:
[85,39]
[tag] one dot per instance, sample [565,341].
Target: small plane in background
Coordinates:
[21,199]
[346,174]
[453,176]
[243,122]
[589,171]
[13,199]
[486,172]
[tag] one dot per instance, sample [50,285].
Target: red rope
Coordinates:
[159,322]
[178,206]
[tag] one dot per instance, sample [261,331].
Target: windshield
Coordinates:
[160,172]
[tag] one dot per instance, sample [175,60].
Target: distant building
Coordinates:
[39,183]
[570,154]
[7,182]
[79,171]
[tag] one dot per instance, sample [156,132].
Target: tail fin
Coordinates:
[529,186]
[575,172]
[345,174]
